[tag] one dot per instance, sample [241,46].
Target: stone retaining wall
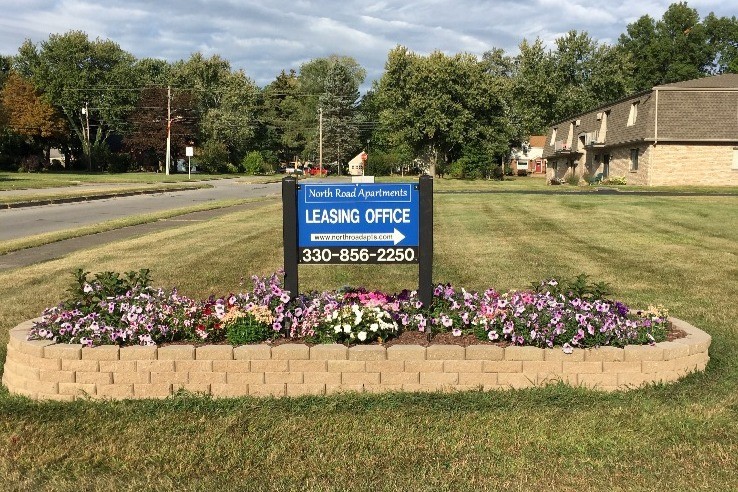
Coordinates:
[45,370]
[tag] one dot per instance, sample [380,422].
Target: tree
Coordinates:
[723,35]
[437,105]
[673,49]
[338,103]
[146,139]
[281,128]
[29,115]
[75,73]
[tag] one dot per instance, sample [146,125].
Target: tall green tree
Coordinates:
[280,128]
[723,35]
[338,105]
[75,73]
[673,49]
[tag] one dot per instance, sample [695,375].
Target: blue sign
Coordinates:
[357,223]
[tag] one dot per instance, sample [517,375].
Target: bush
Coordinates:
[251,326]
[214,157]
[572,179]
[614,180]
[253,163]
[498,173]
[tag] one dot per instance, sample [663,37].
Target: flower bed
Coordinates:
[116,337]
[110,310]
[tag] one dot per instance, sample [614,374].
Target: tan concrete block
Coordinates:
[56,397]
[463,365]
[139,352]
[618,367]
[42,387]
[514,352]
[56,376]
[283,377]
[365,378]
[383,388]
[115,391]
[399,378]
[308,366]
[155,365]
[424,366]
[597,380]
[214,352]
[673,350]
[194,388]
[445,352]
[582,367]
[543,366]
[515,380]
[193,366]
[117,366]
[231,365]
[385,366]
[428,388]
[333,378]
[485,352]
[267,390]
[270,366]
[169,377]
[332,351]
[80,365]
[207,378]
[34,348]
[244,378]
[367,352]
[305,389]
[63,351]
[38,362]
[346,366]
[626,380]
[343,388]
[131,377]
[153,390]
[406,352]
[604,354]
[557,353]
[176,352]
[103,352]
[442,378]
[642,352]
[503,366]
[252,352]
[229,390]
[477,378]
[652,366]
[691,363]
[28,393]
[291,351]
[545,379]
[77,389]
[84,377]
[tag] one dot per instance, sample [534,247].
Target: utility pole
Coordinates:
[86,112]
[320,142]
[169,127]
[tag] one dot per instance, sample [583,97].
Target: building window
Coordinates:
[633,115]
[606,165]
[553,137]
[634,159]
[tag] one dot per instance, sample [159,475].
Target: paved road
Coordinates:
[22,222]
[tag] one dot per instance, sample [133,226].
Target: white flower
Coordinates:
[347,328]
[361,336]
[374,327]
[337,329]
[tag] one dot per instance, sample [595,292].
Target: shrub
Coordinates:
[253,163]
[214,157]
[572,179]
[614,180]
[250,326]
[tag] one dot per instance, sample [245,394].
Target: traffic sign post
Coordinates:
[361,223]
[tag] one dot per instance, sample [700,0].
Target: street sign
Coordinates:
[357,223]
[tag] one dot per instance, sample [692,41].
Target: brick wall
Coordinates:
[682,164]
[44,370]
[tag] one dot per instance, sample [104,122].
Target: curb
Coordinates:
[52,201]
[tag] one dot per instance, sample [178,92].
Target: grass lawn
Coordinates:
[678,251]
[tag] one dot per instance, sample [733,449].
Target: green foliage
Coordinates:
[214,158]
[245,329]
[614,180]
[254,163]
[572,179]
[578,287]
[106,284]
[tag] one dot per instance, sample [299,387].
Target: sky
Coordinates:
[265,37]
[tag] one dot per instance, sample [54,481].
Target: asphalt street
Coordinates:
[22,222]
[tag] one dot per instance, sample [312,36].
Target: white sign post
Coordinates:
[189,152]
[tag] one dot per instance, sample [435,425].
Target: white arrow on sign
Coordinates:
[394,236]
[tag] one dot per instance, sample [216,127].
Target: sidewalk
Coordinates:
[52,251]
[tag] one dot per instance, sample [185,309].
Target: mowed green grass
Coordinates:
[678,251]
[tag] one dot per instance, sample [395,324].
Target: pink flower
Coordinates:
[456,332]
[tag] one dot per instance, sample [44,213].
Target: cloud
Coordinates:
[263,38]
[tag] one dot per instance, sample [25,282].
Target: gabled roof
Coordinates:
[723,81]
